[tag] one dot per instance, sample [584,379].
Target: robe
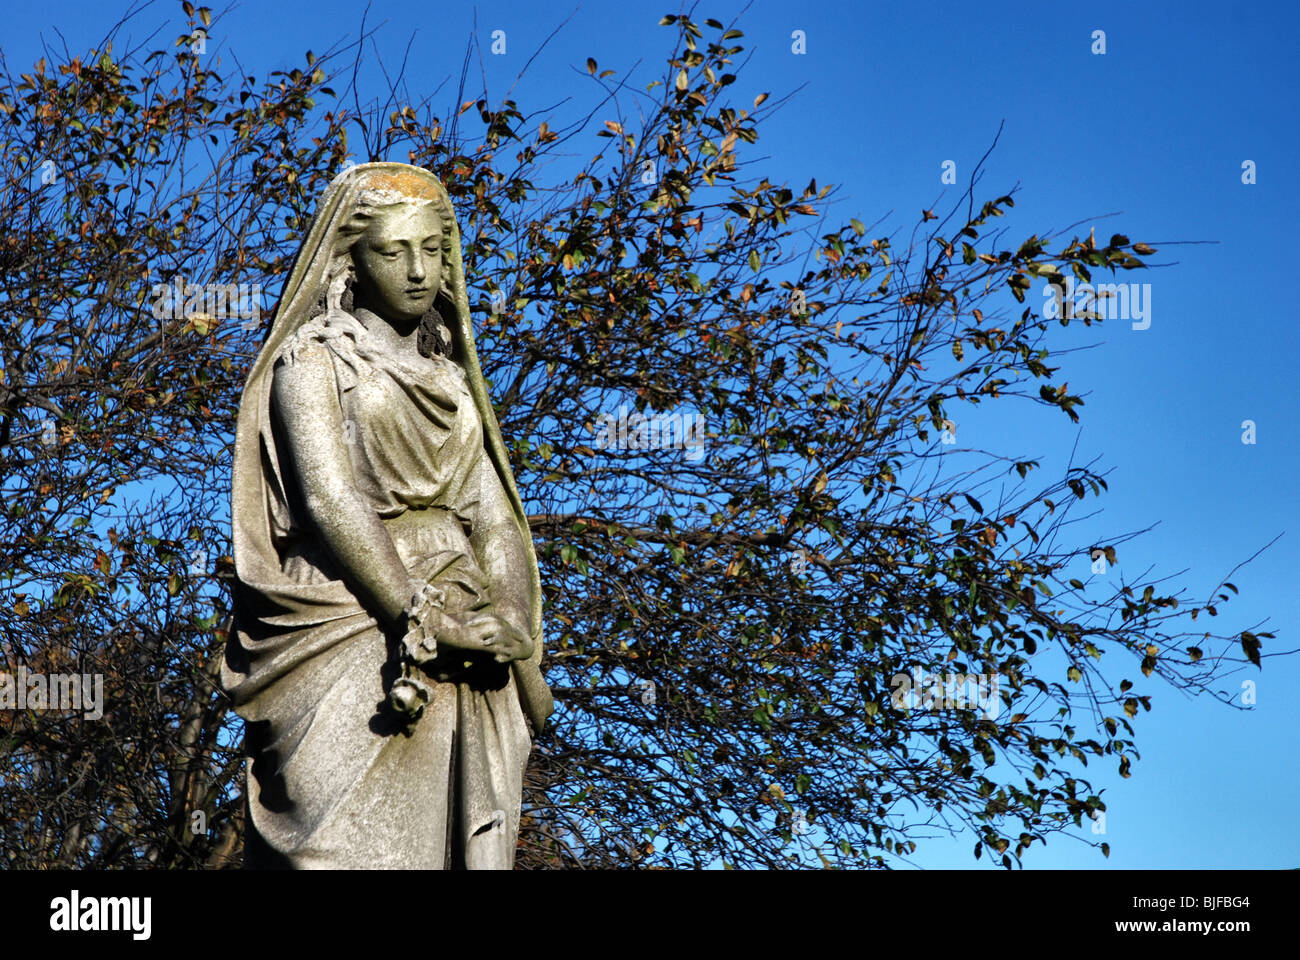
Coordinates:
[335,777]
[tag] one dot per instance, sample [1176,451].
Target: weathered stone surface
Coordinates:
[387,604]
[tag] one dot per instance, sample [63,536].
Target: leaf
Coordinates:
[591,66]
[1250,646]
[683,81]
[754,260]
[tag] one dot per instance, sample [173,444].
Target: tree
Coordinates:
[730,419]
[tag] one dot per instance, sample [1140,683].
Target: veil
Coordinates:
[267,602]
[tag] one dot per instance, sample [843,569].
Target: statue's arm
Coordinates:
[304,398]
[499,549]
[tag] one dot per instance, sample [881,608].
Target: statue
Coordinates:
[387,601]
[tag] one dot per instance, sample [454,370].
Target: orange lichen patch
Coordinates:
[408,184]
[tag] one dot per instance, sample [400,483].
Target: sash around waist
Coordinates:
[428,531]
[417,535]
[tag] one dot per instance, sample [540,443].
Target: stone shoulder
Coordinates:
[338,332]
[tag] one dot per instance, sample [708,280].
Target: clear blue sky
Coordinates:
[1158,127]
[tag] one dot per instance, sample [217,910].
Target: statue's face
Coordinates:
[399,262]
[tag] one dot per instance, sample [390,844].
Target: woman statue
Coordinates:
[387,601]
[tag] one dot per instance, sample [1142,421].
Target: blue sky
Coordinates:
[1158,127]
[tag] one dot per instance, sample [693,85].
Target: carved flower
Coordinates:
[409,694]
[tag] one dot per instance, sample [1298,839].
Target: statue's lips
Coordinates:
[416,292]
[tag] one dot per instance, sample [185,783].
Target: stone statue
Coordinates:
[387,601]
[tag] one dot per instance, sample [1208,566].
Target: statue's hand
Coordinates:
[430,626]
[498,637]
[482,633]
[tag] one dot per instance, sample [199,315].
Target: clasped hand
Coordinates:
[480,630]
[485,631]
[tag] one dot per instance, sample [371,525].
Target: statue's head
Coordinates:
[391,255]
